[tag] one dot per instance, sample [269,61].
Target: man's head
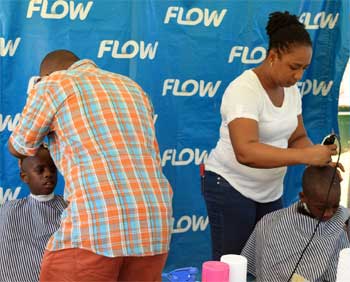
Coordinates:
[316,182]
[57,60]
[39,172]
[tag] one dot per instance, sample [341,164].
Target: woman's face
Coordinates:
[288,67]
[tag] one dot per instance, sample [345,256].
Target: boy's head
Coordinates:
[39,172]
[316,182]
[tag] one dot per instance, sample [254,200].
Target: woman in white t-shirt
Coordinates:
[261,133]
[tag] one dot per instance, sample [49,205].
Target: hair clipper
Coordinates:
[329,139]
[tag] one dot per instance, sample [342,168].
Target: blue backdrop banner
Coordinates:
[184,54]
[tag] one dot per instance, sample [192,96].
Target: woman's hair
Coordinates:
[285,30]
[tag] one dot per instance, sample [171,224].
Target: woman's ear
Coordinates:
[272,56]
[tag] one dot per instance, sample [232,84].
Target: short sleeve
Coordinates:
[35,121]
[240,101]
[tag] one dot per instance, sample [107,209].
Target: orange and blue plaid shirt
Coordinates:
[102,138]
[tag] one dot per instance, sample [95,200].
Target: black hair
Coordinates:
[285,30]
[316,180]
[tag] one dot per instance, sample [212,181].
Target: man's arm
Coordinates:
[35,121]
[14,152]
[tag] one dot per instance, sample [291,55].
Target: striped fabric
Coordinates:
[279,238]
[102,139]
[25,228]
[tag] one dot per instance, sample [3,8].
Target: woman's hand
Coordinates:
[339,167]
[319,155]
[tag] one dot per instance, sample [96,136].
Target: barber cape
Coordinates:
[279,238]
[25,228]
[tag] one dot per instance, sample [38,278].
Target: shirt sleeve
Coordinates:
[35,122]
[240,101]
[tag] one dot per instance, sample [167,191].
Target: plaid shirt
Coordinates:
[102,139]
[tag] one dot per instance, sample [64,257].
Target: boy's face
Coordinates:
[318,203]
[40,173]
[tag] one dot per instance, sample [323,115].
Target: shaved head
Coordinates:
[57,60]
[24,163]
[321,192]
[316,181]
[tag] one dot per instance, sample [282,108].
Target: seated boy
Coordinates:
[27,224]
[280,237]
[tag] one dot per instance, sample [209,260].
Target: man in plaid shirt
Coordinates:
[101,137]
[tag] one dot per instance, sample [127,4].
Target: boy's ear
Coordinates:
[24,177]
[302,196]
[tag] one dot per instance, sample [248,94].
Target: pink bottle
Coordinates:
[215,271]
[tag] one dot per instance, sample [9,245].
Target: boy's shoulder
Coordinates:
[60,200]
[12,205]
[17,203]
[274,218]
[277,214]
[344,211]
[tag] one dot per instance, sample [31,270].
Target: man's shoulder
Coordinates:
[120,78]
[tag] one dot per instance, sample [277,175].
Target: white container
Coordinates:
[343,270]
[238,267]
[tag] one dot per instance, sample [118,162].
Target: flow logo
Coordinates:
[319,21]
[128,50]
[8,194]
[184,157]
[315,87]
[195,16]
[255,56]
[59,9]
[8,122]
[190,87]
[8,48]
[186,223]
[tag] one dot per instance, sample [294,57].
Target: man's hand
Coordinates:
[14,152]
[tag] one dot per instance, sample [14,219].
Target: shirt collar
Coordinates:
[43,198]
[84,62]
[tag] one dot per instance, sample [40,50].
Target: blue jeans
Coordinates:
[232,217]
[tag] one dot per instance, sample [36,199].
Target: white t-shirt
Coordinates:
[245,97]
